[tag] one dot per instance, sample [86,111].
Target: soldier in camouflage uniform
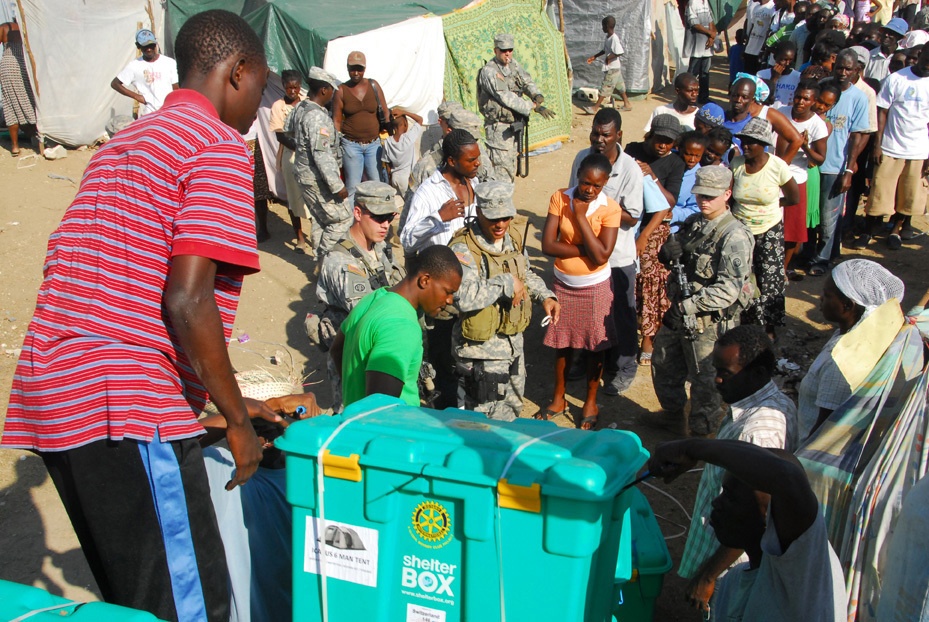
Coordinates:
[494,306]
[316,160]
[714,251]
[359,264]
[501,84]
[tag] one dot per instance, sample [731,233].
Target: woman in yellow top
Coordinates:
[580,232]
[761,186]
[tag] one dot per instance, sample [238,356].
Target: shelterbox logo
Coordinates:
[429,575]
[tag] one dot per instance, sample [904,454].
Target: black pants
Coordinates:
[440,355]
[700,67]
[143,515]
[752,64]
[620,359]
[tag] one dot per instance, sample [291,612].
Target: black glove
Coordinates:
[538,99]
[545,112]
[674,317]
[671,251]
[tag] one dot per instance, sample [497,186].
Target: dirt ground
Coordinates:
[37,544]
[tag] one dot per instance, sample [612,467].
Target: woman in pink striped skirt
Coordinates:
[580,232]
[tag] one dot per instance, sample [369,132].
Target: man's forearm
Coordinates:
[720,561]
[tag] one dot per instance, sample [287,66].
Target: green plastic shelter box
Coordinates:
[447,516]
[27,603]
[638,582]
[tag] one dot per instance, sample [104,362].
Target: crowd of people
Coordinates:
[671,253]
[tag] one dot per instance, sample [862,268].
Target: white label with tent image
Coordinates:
[351,551]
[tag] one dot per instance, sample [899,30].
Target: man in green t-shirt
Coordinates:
[381,338]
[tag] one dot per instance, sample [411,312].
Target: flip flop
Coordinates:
[548,414]
[626,108]
[816,271]
[15,154]
[590,422]
[645,359]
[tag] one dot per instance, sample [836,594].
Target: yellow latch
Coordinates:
[341,467]
[525,498]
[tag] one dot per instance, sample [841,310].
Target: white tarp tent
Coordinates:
[74,50]
[412,74]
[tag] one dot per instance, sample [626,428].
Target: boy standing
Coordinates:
[612,70]
[142,279]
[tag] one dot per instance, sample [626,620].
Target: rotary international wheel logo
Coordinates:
[431,525]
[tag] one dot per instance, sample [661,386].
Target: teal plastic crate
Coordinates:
[18,601]
[420,525]
[639,578]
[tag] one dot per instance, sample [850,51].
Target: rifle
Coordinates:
[687,290]
[521,129]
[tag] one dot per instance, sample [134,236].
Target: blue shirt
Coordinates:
[686,205]
[735,61]
[850,114]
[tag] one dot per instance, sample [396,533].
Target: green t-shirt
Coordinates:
[382,334]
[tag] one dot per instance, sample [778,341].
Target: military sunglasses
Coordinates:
[380,218]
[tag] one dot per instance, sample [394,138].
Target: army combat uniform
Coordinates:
[499,98]
[717,260]
[316,167]
[347,275]
[487,339]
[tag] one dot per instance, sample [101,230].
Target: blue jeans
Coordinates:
[830,213]
[358,159]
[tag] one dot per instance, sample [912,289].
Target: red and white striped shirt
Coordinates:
[100,360]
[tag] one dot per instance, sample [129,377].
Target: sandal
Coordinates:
[793,275]
[626,108]
[588,423]
[548,414]
[645,359]
[816,270]
[15,154]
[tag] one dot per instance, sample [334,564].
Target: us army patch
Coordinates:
[356,270]
[464,258]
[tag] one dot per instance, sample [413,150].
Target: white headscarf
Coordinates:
[867,283]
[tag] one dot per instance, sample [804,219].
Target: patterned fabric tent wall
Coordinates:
[469,35]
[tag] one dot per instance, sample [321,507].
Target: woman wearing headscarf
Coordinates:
[745,103]
[852,291]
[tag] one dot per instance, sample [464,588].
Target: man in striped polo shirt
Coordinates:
[142,279]
[759,413]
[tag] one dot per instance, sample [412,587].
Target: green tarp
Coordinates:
[296,32]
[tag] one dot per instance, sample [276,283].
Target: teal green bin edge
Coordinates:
[634,600]
[18,600]
[291,447]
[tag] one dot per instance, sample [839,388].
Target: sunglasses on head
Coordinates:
[380,218]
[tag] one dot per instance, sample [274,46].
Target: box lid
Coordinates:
[464,446]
